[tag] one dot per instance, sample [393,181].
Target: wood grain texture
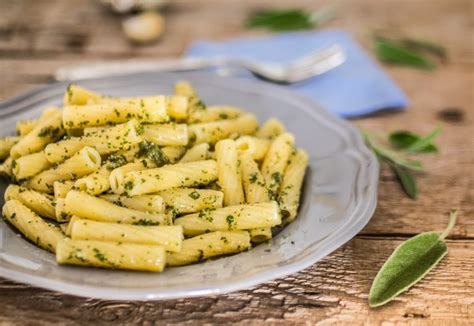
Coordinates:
[39,36]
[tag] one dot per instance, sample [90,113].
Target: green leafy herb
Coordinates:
[398,162]
[426,46]
[290,19]
[393,52]
[412,142]
[408,264]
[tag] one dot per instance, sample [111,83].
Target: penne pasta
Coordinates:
[228,167]
[144,203]
[271,129]
[62,213]
[190,200]
[33,227]
[96,182]
[275,162]
[40,203]
[170,237]
[214,113]
[238,217]
[93,208]
[84,162]
[256,147]
[30,165]
[252,180]
[290,188]
[114,255]
[170,176]
[118,138]
[260,235]
[212,132]
[44,132]
[146,109]
[173,153]
[6,145]
[25,126]
[198,152]
[61,188]
[77,95]
[167,134]
[209,245]
[117,176]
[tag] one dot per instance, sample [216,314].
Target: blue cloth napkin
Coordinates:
[358,87]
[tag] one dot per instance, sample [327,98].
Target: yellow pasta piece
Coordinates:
[198,152]
[114,255]
[33,227]
[252,180]
[96,182]
[256,147]
[61,188]
[62,212]
[228,167]
[93,208]
[29,165]
[275,163]
[170,237]
[209,245]
[260,235]
[117,176]
[146,109]
[77,95]
[144,203]
[238,217]
[290,188]
[212,132]
[5,146]
[170,176]
[84,162]
[173,153]
[167,134]
[190,200]
[271,129]
[25,126]
[118,138]
[40,203]
[214,113]
[44,132]
[6,167]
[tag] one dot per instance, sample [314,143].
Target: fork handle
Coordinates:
[104,69]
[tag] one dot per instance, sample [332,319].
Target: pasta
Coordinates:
[238,217]
[33,227]
[229,172]
[146,182]
[170,237]
[84,162]
[89,207]
[190,200]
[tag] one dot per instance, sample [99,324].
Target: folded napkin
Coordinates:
[358,87]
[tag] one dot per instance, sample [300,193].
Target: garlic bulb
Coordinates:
[144,28]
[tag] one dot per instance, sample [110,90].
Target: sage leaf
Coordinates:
[422,143]
[425,45]
[407,181]
[405,139]
[291,19]
[408,264]
[395,53]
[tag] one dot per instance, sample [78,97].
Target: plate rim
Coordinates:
[364,209]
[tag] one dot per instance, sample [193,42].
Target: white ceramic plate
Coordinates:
[338,199]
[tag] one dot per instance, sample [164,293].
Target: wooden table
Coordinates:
[38,36]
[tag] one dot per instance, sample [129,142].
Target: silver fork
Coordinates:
[310,65]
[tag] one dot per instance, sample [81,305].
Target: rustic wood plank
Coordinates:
[334,290]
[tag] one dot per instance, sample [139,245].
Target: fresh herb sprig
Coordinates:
[290,19]
[409,263]
[407,51]
[397,161]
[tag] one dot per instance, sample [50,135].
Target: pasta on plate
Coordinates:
[142,183]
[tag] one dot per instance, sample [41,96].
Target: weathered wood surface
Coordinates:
[38,36]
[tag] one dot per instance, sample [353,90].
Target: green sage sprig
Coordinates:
[409,263]
[289,19]
[403,141]
[407,51]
